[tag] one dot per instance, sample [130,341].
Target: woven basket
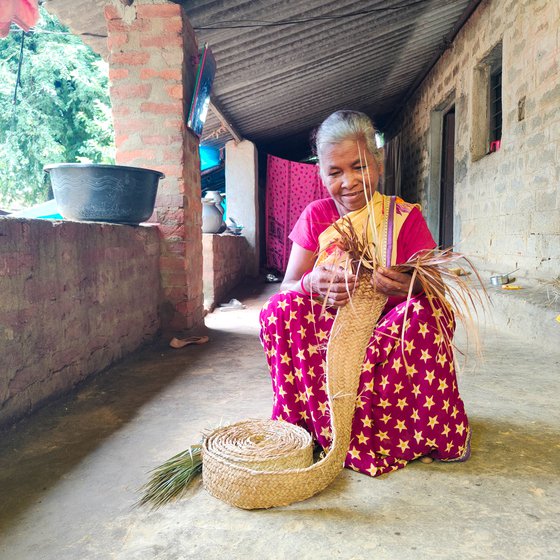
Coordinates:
[268,463]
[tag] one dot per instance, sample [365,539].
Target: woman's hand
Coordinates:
[392,283]
[331,283]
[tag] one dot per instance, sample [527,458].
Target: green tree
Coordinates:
[62,112]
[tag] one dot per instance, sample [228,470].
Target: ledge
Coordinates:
[529,313]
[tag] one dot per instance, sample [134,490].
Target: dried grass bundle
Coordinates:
[172,478]
[360,252]
[447,276]
[553,290]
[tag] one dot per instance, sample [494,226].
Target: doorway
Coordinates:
[447,179]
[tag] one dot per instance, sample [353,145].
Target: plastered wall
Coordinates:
[507,203]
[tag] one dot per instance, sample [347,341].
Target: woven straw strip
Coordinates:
[247,470]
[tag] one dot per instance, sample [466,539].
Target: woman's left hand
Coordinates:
[391,283]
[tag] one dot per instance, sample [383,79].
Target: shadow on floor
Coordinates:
[40,450]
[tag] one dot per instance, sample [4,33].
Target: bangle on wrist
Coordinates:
[302,284]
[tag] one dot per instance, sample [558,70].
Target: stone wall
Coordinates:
[507,203]
[225,266]
[74,297]
[152,65]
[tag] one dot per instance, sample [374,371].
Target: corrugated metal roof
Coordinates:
[276,83]
[283,65]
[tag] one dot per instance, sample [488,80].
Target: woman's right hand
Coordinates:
[330,283]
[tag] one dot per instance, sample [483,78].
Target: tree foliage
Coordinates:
[62,112]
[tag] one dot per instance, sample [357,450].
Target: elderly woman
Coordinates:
[408,405]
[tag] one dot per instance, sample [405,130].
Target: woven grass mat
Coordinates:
[268,463]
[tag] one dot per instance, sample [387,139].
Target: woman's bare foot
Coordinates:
[426,460]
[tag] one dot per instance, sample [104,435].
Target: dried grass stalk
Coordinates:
[435,269]
[170,480]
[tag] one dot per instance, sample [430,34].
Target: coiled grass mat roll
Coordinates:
[269,463]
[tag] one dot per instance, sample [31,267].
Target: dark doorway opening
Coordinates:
[447,179]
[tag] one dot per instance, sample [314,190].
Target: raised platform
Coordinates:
[529,312]
[224,258]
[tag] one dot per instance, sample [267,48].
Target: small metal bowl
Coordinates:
[501,279]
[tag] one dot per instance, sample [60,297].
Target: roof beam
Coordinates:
[221,117]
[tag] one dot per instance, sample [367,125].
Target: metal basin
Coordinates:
[104,193]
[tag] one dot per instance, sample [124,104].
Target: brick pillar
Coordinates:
[152,67]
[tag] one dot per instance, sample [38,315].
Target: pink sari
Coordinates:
[408,403]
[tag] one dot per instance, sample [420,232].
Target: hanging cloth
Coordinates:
[290,187]
[23,13]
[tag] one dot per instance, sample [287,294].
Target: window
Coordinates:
[495,107]
[487,104]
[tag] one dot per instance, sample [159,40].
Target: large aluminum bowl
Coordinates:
[104,193]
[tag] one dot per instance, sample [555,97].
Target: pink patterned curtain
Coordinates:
[290,187]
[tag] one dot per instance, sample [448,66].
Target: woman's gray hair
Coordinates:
[347,125]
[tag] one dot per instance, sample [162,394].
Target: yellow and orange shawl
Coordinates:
[381,220]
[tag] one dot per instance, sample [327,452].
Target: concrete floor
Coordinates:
[69,475]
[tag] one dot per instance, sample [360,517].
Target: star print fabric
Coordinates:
[408,403]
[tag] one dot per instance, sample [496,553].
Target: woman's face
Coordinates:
[348,171]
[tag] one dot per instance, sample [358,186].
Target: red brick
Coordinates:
[176,294]
[162,108]
[140,24]
[183,307]
[118,73]
[131,125]
[157,140]
[176,124]
[179,322]
[172,264]
[173,154]
[120,109]
[128,91]
[176,92]
[171,170]
[174,25]
[116,25]
[116,40]
[171,216]
[162,42]
[158,11]
[111,13]
[120,139]
[13,264]
[166,74]
[170,200]
[133,58]
[174,248]
[173,279]
[176,232]
[167,186]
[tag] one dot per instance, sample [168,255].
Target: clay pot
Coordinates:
[212,219]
